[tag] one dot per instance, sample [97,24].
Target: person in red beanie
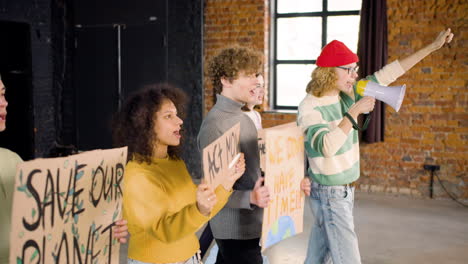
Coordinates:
[326,116]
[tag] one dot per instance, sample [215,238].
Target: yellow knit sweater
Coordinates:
[159,203]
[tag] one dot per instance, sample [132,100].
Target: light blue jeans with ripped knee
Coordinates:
[332,237]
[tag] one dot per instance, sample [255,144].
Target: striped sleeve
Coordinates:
[389,73]
[323,141]
[319,138]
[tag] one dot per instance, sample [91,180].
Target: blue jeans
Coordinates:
[332,236]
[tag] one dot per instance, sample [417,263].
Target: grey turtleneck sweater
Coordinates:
[238,219]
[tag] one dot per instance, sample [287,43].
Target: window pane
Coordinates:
[297,6]
[299,38]
[344,29]
[340,5]
[291,82]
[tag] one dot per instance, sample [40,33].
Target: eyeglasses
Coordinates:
[349,69]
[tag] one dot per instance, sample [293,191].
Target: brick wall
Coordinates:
[229,22]
[431,126]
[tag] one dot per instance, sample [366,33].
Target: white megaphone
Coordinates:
[391,95]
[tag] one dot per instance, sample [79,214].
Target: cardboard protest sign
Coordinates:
[284,170]
[64,209]
[261,142]
[218,155]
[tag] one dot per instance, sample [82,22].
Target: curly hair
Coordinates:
[133,125]
[230,61]
[323,80]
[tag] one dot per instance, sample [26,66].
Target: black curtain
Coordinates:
[372,52]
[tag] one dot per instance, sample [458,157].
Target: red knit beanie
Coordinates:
[335,54]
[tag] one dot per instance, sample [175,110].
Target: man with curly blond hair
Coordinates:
[237,227]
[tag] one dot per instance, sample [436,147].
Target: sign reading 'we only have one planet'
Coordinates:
[64,209]
[282,160]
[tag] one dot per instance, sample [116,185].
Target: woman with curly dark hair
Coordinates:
[162,205]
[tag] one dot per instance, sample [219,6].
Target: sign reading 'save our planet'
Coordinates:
[64,209]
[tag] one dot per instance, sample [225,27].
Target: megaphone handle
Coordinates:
[355,125]
[366,123]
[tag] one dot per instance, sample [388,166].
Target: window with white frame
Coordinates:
[300,28]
